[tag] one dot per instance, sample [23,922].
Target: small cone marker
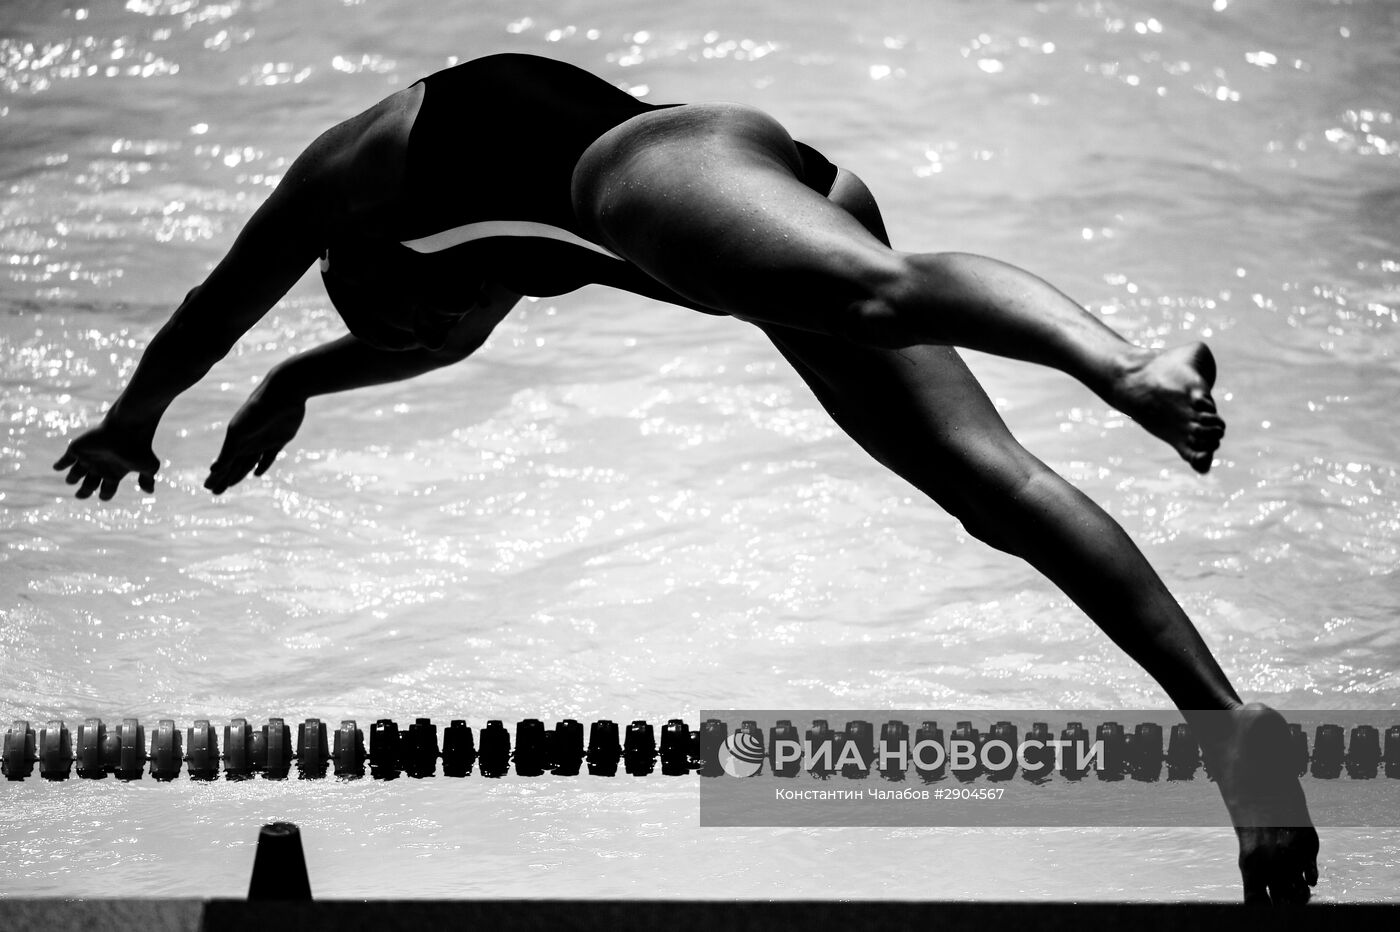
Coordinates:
[279,869]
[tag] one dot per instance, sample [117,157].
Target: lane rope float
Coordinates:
[269,750]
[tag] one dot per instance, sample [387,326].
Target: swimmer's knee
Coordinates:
[900,296]
[899,293]
[997,505]
[987,526]
[882,313]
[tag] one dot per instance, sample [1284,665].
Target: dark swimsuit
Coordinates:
[491,159]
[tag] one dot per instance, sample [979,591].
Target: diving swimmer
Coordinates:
[433,212]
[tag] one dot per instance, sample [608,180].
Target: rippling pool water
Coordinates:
[624,509]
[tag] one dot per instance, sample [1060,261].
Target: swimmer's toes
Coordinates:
[1205,428]
[1298,871]
[1203,361]
[1205,438]
[1202,440]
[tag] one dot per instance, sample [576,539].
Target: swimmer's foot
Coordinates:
[1247,750]
[1168,393]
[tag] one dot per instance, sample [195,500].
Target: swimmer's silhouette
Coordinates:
[435,210]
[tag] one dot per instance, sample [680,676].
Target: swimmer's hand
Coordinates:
[262,427]
[98,459]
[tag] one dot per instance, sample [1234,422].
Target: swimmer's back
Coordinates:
[486,176]
[497,138]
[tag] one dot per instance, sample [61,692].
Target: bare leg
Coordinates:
[922,414]
[704,198]
[720,218]
[984,304]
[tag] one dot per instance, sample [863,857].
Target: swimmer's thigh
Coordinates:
[918,410]
[706,200]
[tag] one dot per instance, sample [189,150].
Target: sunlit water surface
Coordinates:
[622,509]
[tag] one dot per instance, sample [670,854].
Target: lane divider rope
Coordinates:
[267,750]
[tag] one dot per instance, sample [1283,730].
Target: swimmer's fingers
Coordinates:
[219,470]
[101,476]
[233,466]
[84,477]
[224,474]
[104,485]
[258,432]
[265,461]
[234,462]
[99,459]
[241,467]
[240,470]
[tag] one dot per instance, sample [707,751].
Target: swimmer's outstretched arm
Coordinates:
[274,249]
[273,413]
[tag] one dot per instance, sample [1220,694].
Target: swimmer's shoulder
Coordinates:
[359,165]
